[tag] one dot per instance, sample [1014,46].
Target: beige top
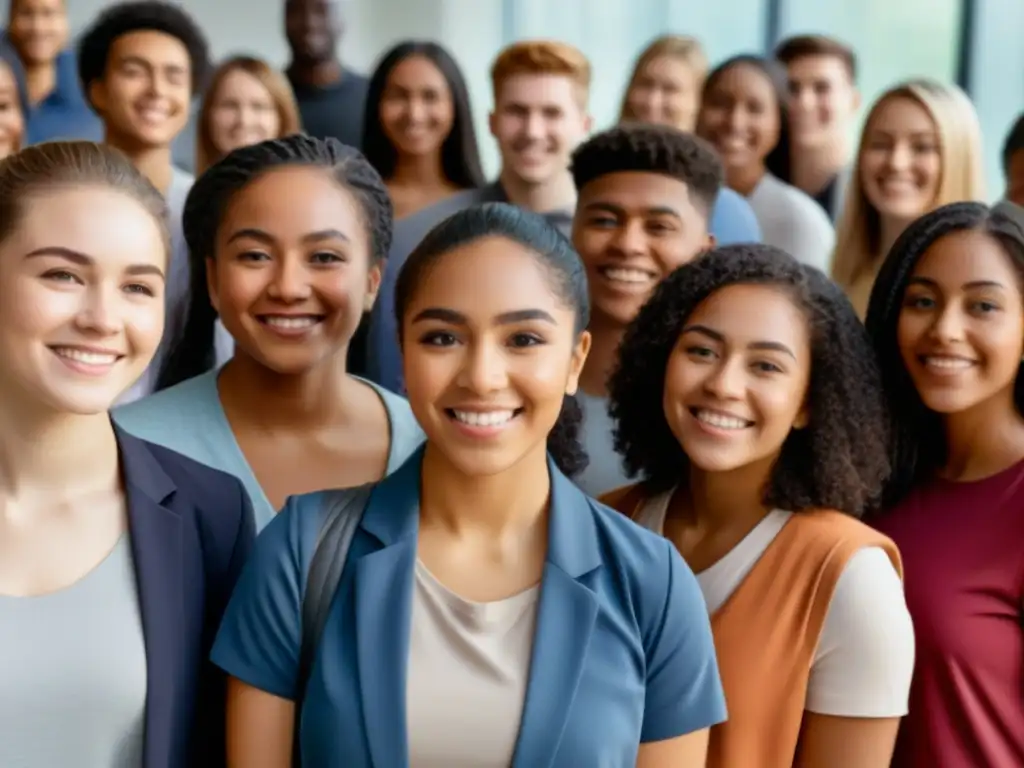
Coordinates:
[469,665]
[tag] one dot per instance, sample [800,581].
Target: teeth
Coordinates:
[720,421]
[89,358]
[948,363]
[484,419]
[291,323]
[621,275]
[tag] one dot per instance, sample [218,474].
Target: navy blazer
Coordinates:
[622,652]
[191,530]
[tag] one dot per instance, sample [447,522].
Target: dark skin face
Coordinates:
[313,29]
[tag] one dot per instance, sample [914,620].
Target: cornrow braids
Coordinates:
[838,461]
[651,149]
[208,200]
[918,442]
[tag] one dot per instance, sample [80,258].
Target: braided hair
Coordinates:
[918,441]
[208,200]
[838,461]
[555,255]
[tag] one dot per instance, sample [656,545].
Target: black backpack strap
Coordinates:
[344,511]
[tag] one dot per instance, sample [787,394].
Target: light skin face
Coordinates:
[538,121]
[144,94]
[242,113]
[666,92]
[490,351]
[12,122]
[292,274]
[740,116]
[822,100]
[736,383]
[82,304]
[38,29]
[416,109]
[961,325]
[901,163]
[632,229]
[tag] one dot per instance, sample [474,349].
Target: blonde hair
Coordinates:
[542,57]
[280,93]
[683,48]
[858,234]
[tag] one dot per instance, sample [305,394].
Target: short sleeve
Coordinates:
[865,657]
[684,691]
[259,638]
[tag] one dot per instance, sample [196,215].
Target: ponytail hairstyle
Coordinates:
[208,200]
[566,276]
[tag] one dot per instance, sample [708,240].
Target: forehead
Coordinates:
[156,48]
[538,90]
[817,67]
[240,81]
[902,113]
[744,78]
[746,313]
[967,256]
[668,67]
[487,277]
[639,190]
[36,5]
[294,201]
[308,6]
[416,67]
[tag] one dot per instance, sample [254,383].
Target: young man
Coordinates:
[38,31]
[645,198]
[1013,162]
[331,97]
[139,64]
[823,103]
[541,88]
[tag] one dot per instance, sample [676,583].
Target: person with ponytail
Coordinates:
[488,612]
[287,239]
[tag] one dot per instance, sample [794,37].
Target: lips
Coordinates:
[946,364]
[720,419]
[627,276]
[291,322]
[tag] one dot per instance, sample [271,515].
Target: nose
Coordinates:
[417,111]
[948,326]
[290,282]
[534,127]
[736,119]
[630,239]
[99,314]
[483,369]
[726,381]
[804,99]
[900,157]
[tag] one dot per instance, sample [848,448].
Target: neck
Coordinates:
[605,338]
[46,453]
[983,440]
[814,166]
[301,402]
[554,194]
[719,500]
[153,162]
[515,499]
[889,230]
[315,73]
[40,79]
[418,171]
[745,180]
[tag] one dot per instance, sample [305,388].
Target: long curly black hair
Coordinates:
[918,443]
[838,461]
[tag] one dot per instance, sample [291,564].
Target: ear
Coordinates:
[856,100]
[712,241]
[579,357]
[492,120]
[373,280]
[588,123]
[803,418]
[211,284]
[98,96]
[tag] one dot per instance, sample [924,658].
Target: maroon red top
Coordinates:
[963,557]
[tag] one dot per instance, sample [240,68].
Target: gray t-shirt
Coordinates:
[605,471]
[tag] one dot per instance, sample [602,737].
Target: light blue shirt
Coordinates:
[189,419]
[622,653]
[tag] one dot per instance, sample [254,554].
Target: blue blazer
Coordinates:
[191,530]
[622,652]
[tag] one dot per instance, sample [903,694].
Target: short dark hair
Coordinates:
[801,46]
[919,444]
[208,199]
[651,149]
[556,256]
[1013,143]
[147,15]
[460,153]
[838,461]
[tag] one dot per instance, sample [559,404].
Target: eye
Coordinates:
[61,276]
[658,227]
[919,302]
[522,340]
[325,257]
[253,256]
[140,288]
[984,307]
[765,366]
[438,339]
[699,352]
[605,222]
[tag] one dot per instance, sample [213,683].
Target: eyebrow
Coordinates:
[264,237]
[769,346]
[505,318]
[930,283]
[82,260]
[138,60]
[655,210]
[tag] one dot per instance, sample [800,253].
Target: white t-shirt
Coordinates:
[865,656]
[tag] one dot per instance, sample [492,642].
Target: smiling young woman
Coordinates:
[116,555]
[489,613]
[947,320]
[748,399]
